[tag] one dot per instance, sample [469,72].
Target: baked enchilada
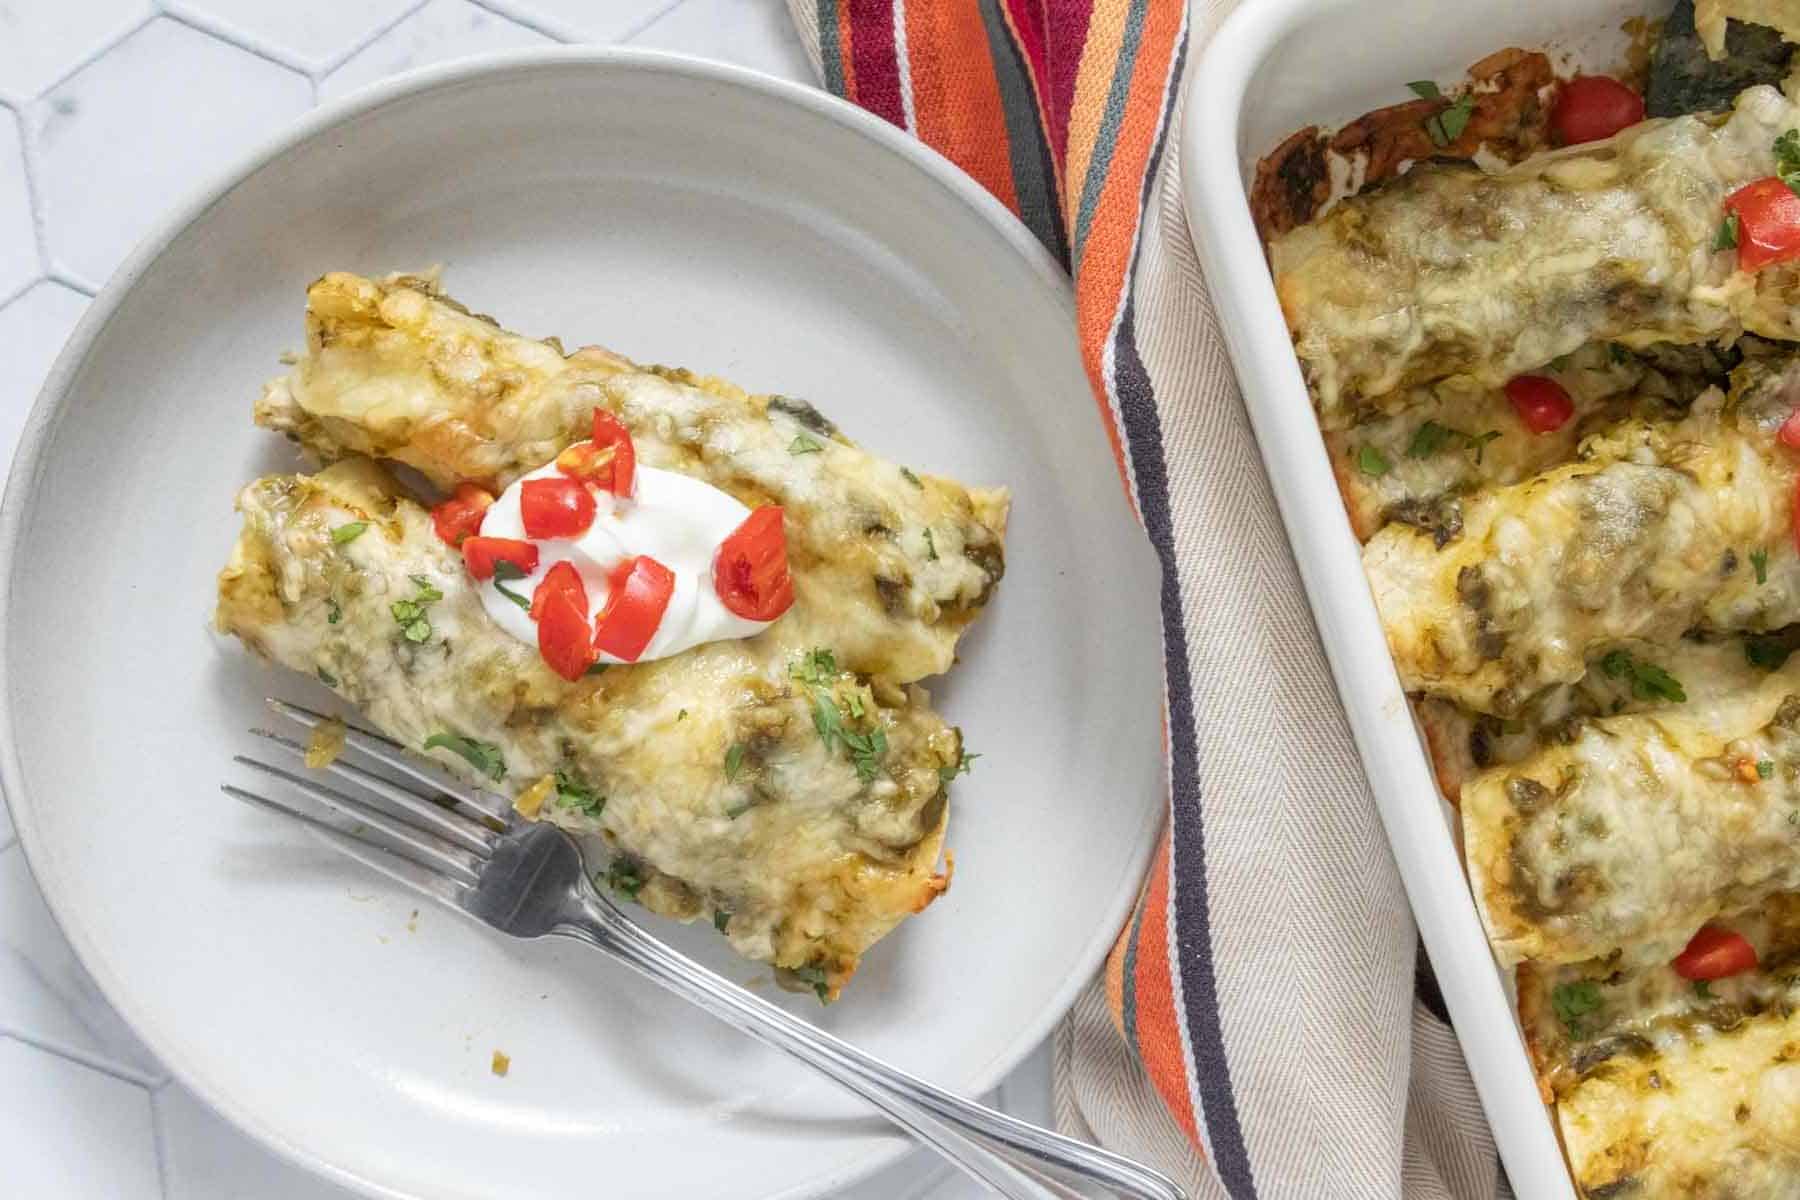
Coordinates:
[651,609]
[1557,372]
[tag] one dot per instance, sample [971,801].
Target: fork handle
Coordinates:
[1006,1154]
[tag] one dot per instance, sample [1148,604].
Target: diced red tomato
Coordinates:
[563,577]
[565,639]
[481,553]
[608,462]
[750,571]
[639,592]
[1592,107]
[1768,214]
[460,515]
[555,507]
[1540,402]
[610,431]
[1715,953]
[1789,434]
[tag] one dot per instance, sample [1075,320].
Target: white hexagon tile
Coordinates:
[439,32]
[124,138]
[110,112]
[314,35]
[41,41]
[18,241]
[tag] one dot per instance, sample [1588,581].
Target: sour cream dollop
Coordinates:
[675,519]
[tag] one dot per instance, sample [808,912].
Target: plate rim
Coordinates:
[50,408]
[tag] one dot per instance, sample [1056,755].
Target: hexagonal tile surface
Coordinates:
[40,43]
[750,33]
[586,21]
[18,244]
[72,1133]
[442,30]
[315,33]
[125,138]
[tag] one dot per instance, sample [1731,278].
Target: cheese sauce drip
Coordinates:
[677,520]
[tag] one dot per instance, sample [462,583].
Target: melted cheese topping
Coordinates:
[1648,533]
[890,565]
[810,858]
[1639,828]
[1452,273]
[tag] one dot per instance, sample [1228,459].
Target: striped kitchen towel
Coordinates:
[1265,1025]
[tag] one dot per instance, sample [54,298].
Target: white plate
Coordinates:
[1277,66]
[680,212]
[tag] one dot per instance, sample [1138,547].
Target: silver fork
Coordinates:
[528,879]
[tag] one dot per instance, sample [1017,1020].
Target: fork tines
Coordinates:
[428,844]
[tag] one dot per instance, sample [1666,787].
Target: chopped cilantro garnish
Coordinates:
[906,474]
[1787,158]
[577,795]
[1428,439]
[505,572]
[734,759]
[1727,237]
[1447,125]
[1759,559]
[483,756]
[816,977]
[964,763]
[1425,89]
[625,877]
[930,546]
[866,750]
[410,614]
[1371,462]
[816,666]
[334,612]
[1648,681]
[1574,1001]
[1431,437]
[349,532]
[721,919]
[598,668]
[1703,988]
[803,444]
[327,678]
[682,715]
[1765,768]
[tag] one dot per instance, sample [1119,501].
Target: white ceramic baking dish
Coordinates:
[1276,66]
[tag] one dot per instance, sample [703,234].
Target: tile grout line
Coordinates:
[552,29]
[28,147]
[80,1058]
[95,55]
[236,40]
[644,26]
[6,300]
[159,1139]
[379,32]
[74,283]
[40,216]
